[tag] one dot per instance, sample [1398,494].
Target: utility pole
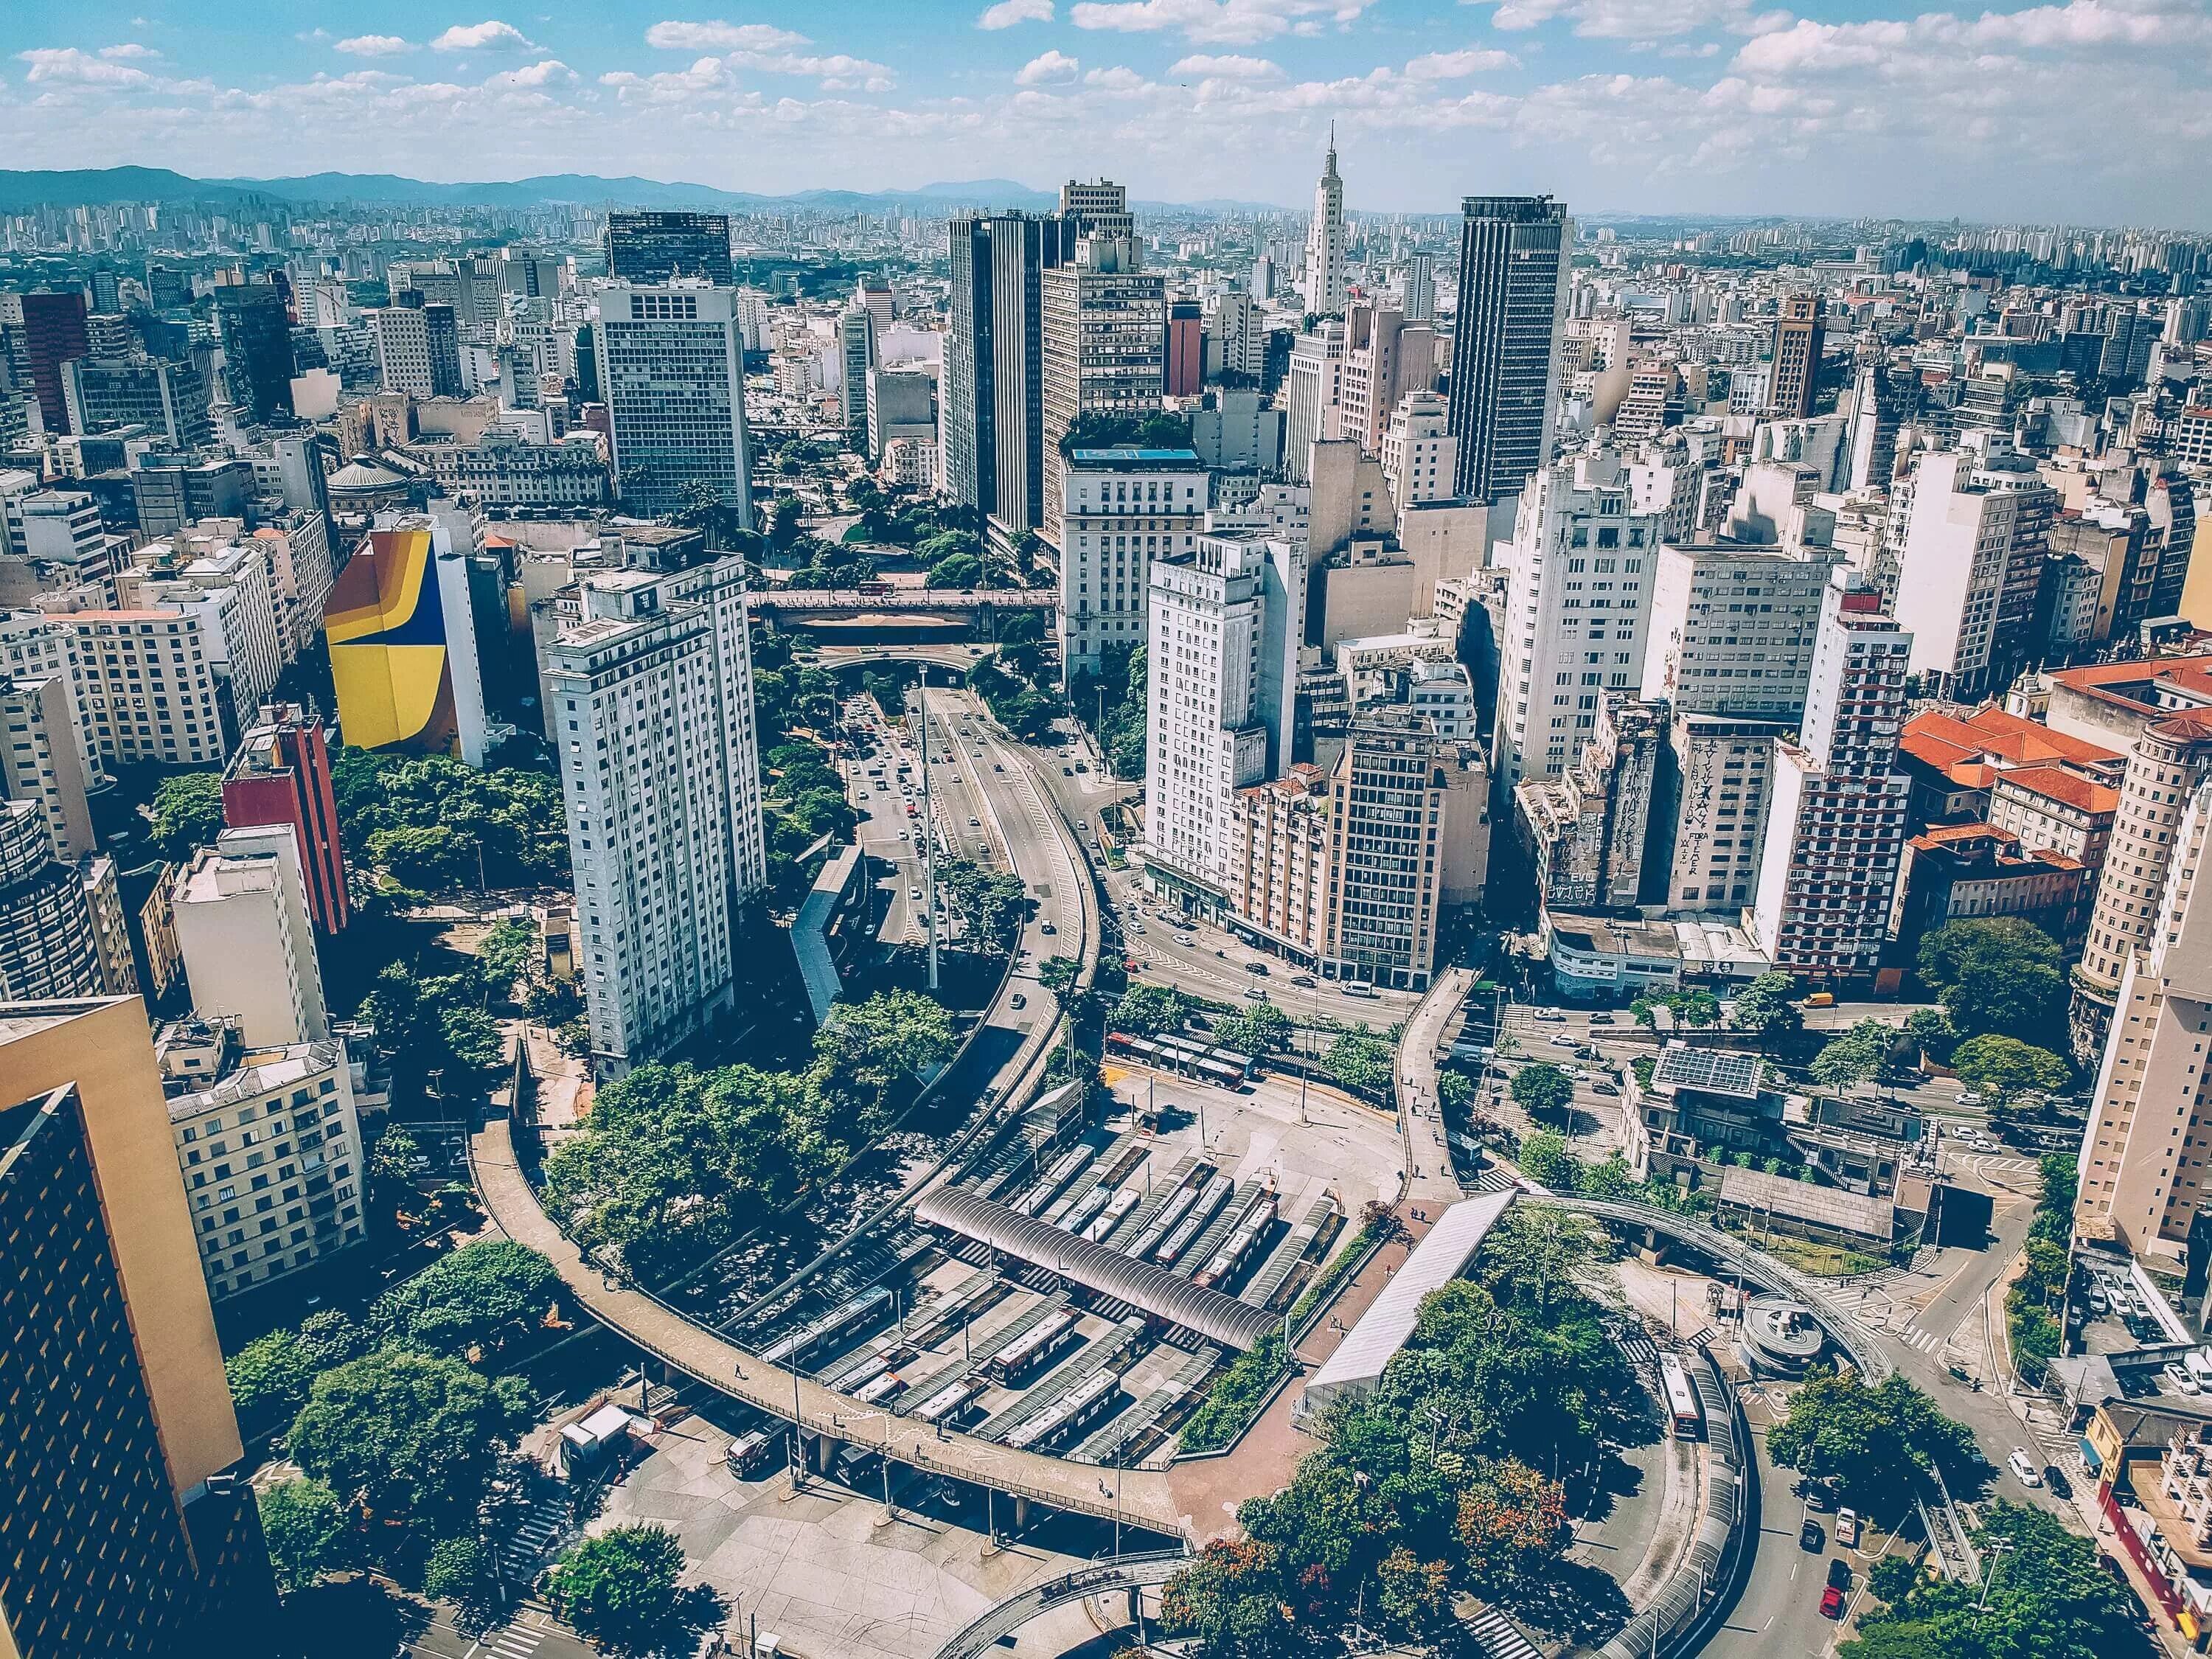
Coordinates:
[928,834]
[1995,1548]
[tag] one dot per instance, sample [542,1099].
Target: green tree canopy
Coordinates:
[482,1295]
[306,1527]
[2000,975]
[1537,1255]
[867,1051]
[1856,1057]
[1544,1159]
[186,813]
[1455,1090]
[1150,1010]
[1542,1090]
[465,1572]
[991,904]
[1363,1063]
[505,951]
[269,1377]
[2006,1067]
[618,1588]
[1763,1006]
[1873,1442]
[409,1436]
[432,1029]
[1263,1028]
[428,819]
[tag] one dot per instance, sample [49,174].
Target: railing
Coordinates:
[1143,1571]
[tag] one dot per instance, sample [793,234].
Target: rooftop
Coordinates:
[1821,1206]
[1715,1071]
[2145,686]
[2068,788]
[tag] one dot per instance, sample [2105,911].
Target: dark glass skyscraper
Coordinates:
[658,248]
[971,476]
[1512,263]
[257,348]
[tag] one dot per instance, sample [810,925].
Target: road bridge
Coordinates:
[1131,1574]
[903,615]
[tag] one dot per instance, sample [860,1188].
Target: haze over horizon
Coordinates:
[1622,105]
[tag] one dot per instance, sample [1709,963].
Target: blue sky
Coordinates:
[2088,112]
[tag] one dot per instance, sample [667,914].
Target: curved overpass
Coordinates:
[1130,1572]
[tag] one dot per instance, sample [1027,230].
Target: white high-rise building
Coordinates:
[247,938]
[1222,675]
[652,696]
[1419,455]
[1577,603]
[1836,828]
[672,365]
[1120,510]
[1324,286]
[1970,531]
[1417,289]
[1314,383]
[1732,627]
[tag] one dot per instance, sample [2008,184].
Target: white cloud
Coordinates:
[1117,79]
[1903,46]
[718,36]
[1046,69]
[1216,22]
[1636,20]
[68,65]
[1007,13]
[1457,65]
[489,36]
[129,50]
[550,72]
[1200,67]
[372,45]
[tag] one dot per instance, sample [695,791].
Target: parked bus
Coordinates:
[801,1343]
[947,1404]
[1116,1210]
[1186,1233]
[750,1452]
[1682,1399]
[1230,1258]
[1082,1405]
[1027,1353]
[1056,1180]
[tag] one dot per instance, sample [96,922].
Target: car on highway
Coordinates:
[1603,1087]
[1020,1001]
[2178,1380]
[1563,1040]
[1067,771]
[1357,989]
[1136,927]
[995,767]
[1839,1570]
[975,823]
[1306,981]
[1080,767]
[1185,940]
[1255,967]
[1832,1602]
[2023,1468]
[1550,1017]
[1255,994]
[1601,1018]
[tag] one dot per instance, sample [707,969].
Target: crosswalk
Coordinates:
[510,1642]
[543,1529]
[1919,1341]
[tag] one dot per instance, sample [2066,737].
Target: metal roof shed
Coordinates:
[1442,1255]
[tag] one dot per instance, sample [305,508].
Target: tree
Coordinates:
[2005,1066]
[186,813]
[1456,1091]
[1544,1159]
[410,1436]
[473,1300]
[1856,1057]
[1228,1600]
[505,951]
[1151,1009]
[1873,1442]
[618,1588]
[1510,1520]
[391,1159]
[304,1527]
[961,570]
[866,1051]
[1542,1090]
[1931,1029]
[463,1571]
[1763,1007]
[431,1028]
[1363,1063]
[1263,1028]
[2000,975]
[992,905]
[1535,1255]
[269,1377]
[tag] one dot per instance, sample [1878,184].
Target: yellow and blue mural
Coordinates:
[385,623]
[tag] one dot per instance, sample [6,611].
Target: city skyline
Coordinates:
[1618,105]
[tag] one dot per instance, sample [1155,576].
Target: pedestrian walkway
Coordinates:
[1499,1636]
[511,1642]
[545,1527]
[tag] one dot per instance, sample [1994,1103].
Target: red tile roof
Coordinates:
[2068,788]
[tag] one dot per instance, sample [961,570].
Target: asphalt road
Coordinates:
[1779,1614]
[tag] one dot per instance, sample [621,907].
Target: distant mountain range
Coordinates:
[20,191]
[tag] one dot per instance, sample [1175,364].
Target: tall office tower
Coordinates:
[1100,208]
[126,1528]
[2141,1186]
[1387,794]
[1879,403]
[48,946]
[652,697]
[856,345]
[40,762]
[1836,830]
[1798,341]
[2166,764]
[1103,344]
[1385,357]
[873,295]
[53,330]
[1316,396]
[248,938]
[969,467]
[1419,454]
[418,349]
[1238,344]
[1417,289]
[256,327]
[1513,262]
[1323,283]
[282,775]
[1970,531]
[672,371]
[1023,248]
[1185,369]
[1576,610]
[1222,672]
[649,250]
[105,393]
[1120,510]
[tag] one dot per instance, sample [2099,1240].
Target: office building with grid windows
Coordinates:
[671,364]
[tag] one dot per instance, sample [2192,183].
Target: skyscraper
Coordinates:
[257,348]
[282,775]
[1324,286]
[1512,283]
[1797,335]
[652,694]
[126,1528]
[856,339]
[1102,338]
[53,332]
[248,940]
[969,465]
[671,371]
[1023,248]
[652,248]
[1835,833]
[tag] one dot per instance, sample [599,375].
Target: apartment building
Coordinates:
[1732,628]
[1226,620]
[1386,358]
[1419,454]
[1716,793]
[1386,826]
[1120,509]
[147,685]
[1582,562]
[1835,831]
[652,691]
[1588,830]
[242,922]
[1970,531]
[282,775]
[670,364]
[39,760]
[1278,868]
[36,647]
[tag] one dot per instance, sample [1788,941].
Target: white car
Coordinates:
[2023,1468]
[915,893]
[1549,1016]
